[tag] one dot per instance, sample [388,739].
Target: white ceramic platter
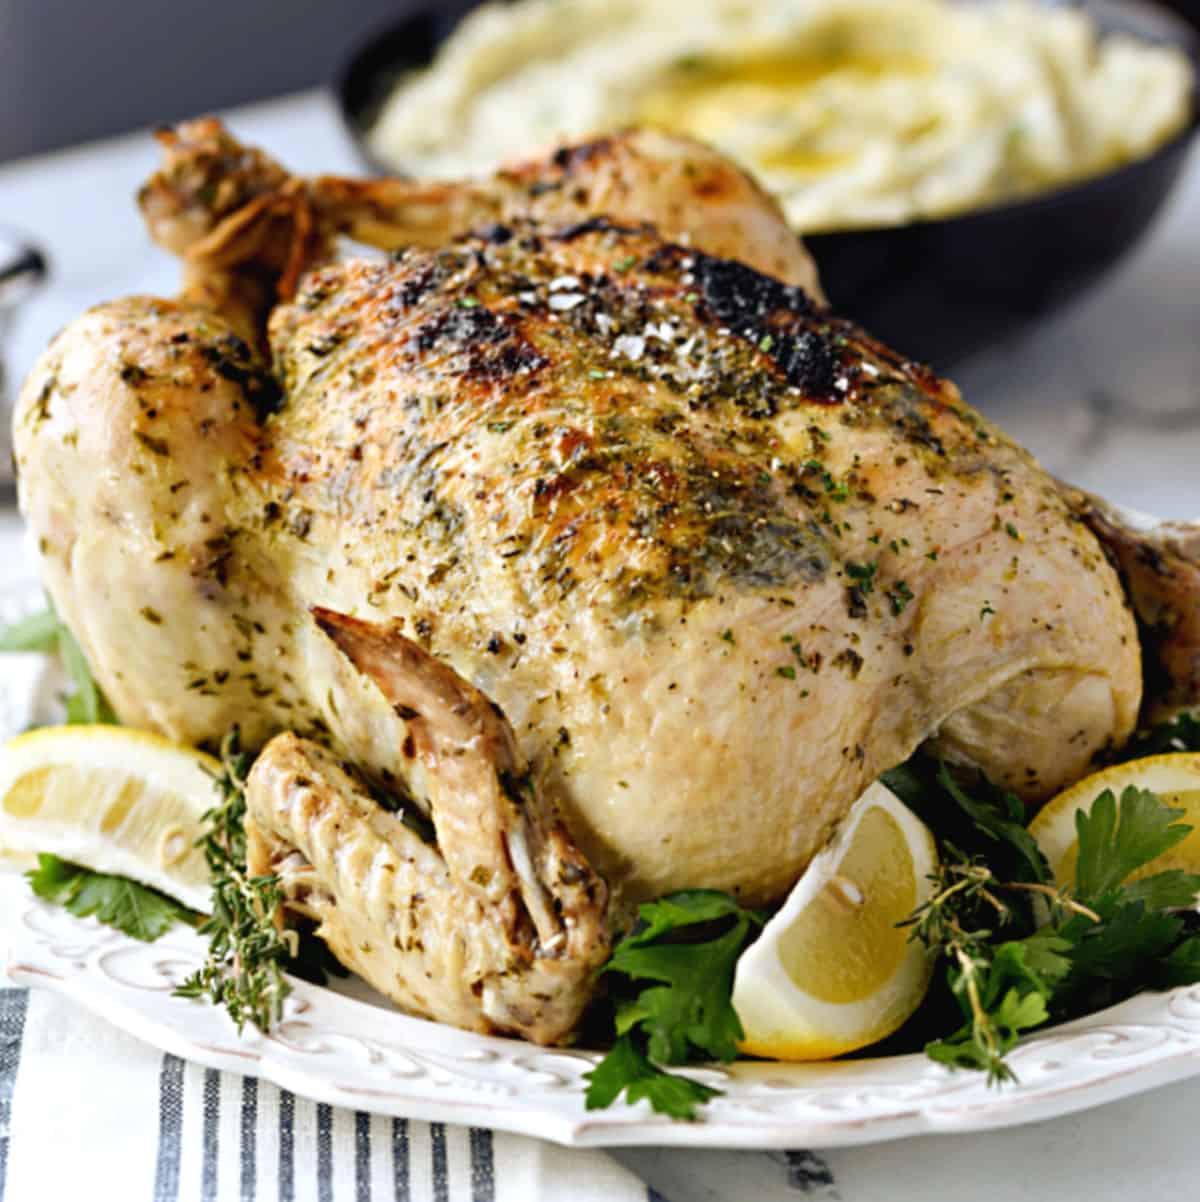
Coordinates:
[363,1054]
[360,1052]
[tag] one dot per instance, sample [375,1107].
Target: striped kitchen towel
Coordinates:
[88,1112]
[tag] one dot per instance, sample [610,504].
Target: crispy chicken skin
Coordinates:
[718,557]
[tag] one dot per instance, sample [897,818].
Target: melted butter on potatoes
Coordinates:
[855,112]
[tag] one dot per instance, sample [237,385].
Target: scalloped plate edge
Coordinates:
[337,1049]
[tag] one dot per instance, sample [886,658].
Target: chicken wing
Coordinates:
[498,923]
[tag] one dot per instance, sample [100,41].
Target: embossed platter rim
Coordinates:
[348,1051]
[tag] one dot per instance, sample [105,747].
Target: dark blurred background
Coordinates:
[71,70]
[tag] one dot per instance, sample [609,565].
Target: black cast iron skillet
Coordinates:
[936,290]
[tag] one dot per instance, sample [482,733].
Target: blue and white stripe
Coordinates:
[148,1125]
[13,1005]
[291,1150]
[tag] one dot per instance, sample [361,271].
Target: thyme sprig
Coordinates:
[961,923]
[247,951]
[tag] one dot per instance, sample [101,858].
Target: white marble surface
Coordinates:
[1107,395]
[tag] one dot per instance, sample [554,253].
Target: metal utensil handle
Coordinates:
[22,269]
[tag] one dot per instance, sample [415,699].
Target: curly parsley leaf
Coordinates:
[691,1008]
[1181,967]
[1000,816]
[672,980]
[1115,956]
[1173,889]
[133,908]
[627,1070]
[1036,963]
[984,1047]
[983,820]
[689,907]
[1044,958]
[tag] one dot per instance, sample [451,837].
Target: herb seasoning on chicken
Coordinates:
[717,557]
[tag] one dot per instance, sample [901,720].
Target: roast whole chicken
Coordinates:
[577,551]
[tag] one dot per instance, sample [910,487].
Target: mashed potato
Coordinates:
[854,112]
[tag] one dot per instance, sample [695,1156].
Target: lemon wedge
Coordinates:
[112,799]
[832,972]
[1175,778]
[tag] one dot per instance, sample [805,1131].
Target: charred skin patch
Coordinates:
[744,299]
[758,308]
[808,362]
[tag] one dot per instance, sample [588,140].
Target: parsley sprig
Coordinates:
[247,951]
[1021,950]
[116,901]
[672,978]
[45,632]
